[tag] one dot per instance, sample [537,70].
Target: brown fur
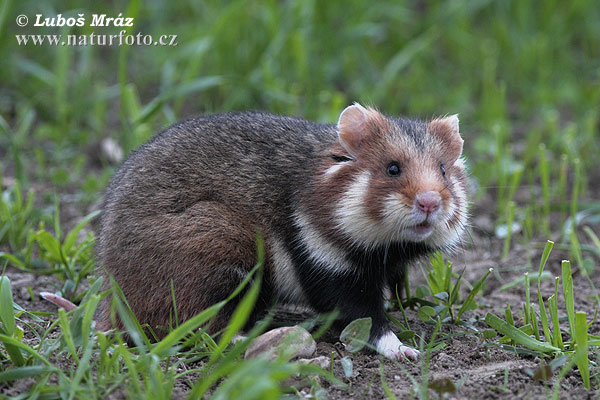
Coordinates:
[205,231]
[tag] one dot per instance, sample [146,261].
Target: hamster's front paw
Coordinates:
[390,346]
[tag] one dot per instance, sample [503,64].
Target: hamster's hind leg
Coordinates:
[205,250]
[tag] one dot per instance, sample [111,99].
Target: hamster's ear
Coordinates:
[447,129]
[356,123]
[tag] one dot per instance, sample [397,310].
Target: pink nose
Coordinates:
[428,202]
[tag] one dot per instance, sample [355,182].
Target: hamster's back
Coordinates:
[190,201]
[238,159]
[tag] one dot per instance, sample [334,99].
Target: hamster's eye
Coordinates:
[443,170]
[393,169]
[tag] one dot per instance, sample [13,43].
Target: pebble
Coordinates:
[291,341]
[321,361]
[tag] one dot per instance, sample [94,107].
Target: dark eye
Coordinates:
[393,169]
[443,169]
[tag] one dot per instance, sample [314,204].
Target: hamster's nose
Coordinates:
[428,202]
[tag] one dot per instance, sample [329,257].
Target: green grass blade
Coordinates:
[518,336]
[14,260]
[521,281]
[50,244]
[545,255]
[456,289]
[67,334]
[132,371]
[593,237]
[24,372]
[239,318]
[90,309]
[7,316]
[544,320]
[575,193]
[581,350]
[448,274]
[14,353]
[165,346]
[534,323]
[403,58]
[508,315]
[567,282]
[553,311]
[93,290]
[476,288]
[82,368]
[132,325]
[8,340]
[543,316]
[527,299]
[136,332]
[72,235]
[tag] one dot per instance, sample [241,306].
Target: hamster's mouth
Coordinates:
[422,229]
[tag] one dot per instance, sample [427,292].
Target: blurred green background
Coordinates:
[524,76]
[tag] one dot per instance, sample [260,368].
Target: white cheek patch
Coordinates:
[390,346]
[319,249]
[397,216]
[451,207]
[459,191]
[448,236]
[287,286]
[335,168]
[352,216]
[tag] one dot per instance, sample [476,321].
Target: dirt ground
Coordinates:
[477,369]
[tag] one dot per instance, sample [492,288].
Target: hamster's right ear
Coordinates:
[447,129]
[356,123]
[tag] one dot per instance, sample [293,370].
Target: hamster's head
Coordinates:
[401,180]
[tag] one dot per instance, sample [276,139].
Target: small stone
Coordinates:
[290,341]
[321,361]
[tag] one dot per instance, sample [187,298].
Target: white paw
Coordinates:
[390,346]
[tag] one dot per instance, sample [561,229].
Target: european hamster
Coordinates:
[343,209]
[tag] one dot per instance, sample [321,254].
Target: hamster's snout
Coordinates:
[428,202]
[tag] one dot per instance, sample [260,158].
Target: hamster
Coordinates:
[343,210]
